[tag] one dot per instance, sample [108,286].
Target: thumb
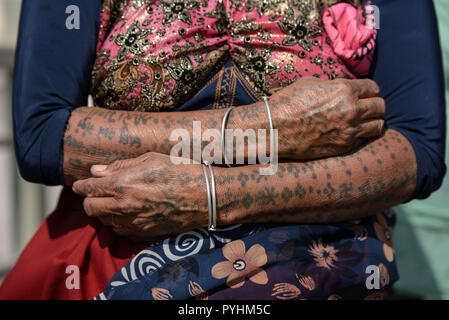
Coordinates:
[101,170]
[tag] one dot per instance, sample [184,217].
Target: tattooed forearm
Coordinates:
[150,196]
[378,176]
[99,136]
[315,119]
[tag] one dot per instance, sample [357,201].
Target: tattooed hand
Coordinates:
[147,197]
[323,118]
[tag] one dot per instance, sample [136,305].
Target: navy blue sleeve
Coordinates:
[51,78]
[53,67]
[409,71]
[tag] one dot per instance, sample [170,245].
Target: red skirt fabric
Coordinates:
[68,237]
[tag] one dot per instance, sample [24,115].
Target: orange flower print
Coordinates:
[334,297]
[161,294]
[241,264]
[285,291]
[385,234]
[306,281]
[197,291]
[324,256]
[327,264]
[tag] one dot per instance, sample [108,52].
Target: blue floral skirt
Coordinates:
[353,260]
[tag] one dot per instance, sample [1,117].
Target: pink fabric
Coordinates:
[352,39]
[142,59]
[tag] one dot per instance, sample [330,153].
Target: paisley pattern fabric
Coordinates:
[184,55]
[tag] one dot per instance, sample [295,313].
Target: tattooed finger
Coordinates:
[372,129]
[372,108]
[94,187]
[98,207]
[364,88]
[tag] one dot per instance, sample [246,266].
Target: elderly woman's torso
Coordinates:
[155,55]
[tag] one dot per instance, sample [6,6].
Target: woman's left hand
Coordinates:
[148,197]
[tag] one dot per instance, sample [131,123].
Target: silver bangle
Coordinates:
[213,220]
[270,121]
[267,105]
[223,144]
[209,201]
[211,196]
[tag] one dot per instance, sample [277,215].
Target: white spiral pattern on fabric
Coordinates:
[185,244]
[146,261]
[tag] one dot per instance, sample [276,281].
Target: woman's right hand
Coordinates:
[319,118]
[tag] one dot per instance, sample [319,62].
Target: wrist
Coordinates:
[252,116]
[229,207]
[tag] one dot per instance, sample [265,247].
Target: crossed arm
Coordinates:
[361,169]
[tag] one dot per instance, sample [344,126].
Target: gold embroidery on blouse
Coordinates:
[140,76]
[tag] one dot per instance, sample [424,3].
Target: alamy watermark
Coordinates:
[371,13]
[206,146]
[378,277]
[73,20]
[372,16]
[72,282]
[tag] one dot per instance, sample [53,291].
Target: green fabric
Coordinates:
[422,231]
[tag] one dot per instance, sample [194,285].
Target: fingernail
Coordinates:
[99,168]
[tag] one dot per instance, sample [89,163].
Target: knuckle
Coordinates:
[90,188]
[350,134]
[374,86]
[382,105]
[116,165]
[353,109]
[344,105]
[117,184]
[120,204]
[119,191]
[113,205]
[126,207]
[120,183]
[344,137]
[347,91]
[346,85]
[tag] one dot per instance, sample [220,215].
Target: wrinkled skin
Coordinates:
[364,169]
[145,196]
[315,119]
[322,118]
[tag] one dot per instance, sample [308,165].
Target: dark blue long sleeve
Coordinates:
[409,71]
[53,68]
[51,78]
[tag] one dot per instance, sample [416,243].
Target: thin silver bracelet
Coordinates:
[209,201]
[267,105]
[223,144]
[213,220]
[211,196]
[270,121]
